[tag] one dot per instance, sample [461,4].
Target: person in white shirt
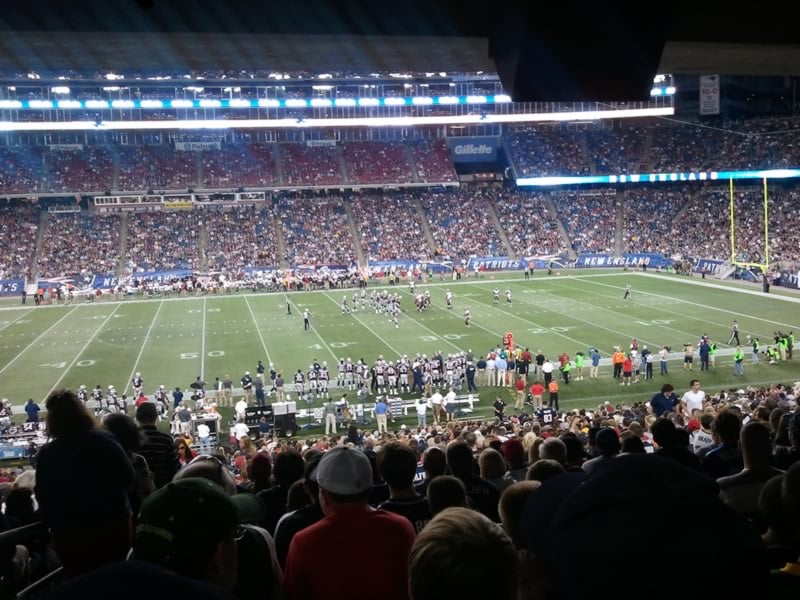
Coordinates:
[491,371]
[703,437]
[240,408]
[204,438]
[436,404]
[450,405]
[422,409]
[547,370]
[240,430]
[693,400]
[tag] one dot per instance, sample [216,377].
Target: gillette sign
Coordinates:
[473,149]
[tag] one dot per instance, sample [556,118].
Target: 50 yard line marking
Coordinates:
[203,344]
[40,336]
[141,350]
[82,350]
[258,330]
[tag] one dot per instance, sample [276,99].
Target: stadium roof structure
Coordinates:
[566,50]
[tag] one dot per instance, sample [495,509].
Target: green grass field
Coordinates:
[173,340]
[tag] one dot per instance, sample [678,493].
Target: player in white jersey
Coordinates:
[508,296]
[467,317]
[495,296]
[448,298]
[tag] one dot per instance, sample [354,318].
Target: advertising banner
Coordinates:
[10,287]
[626,260]
[473,149]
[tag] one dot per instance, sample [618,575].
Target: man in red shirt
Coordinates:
[520,385]
[316,569]
[537,393]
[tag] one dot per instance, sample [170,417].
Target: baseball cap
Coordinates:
[181,516]
[345,471]
[693,425]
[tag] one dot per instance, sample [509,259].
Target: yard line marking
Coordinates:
[15,320]
[203,344]
[324,343]
[258,329]
[368,328]
[524,320]
[719,287]
[82,350]
[141,350]
[557,301]
[41,335]
[653,325]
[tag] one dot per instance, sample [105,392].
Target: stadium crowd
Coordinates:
[239,165]
[162,240]
[75,243]
[528,224]
[590,218]
[19,224]
[316,231]
[508,505]
[389,227]
[650,220]
[241,238]
[461,223]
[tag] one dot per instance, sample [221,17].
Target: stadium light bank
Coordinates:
[292,123]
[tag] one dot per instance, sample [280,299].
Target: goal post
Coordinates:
[764,266]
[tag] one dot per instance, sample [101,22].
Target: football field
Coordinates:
[173,340]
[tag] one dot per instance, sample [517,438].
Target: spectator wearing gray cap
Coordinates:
[344,476]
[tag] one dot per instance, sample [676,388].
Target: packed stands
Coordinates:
[617,151]
[316,231]
[241,238]
[19,224]
[21,170]
[686,147]
[156,166]
[649,219]
[541,151]
[589,217]
[76,243]
[389,227]
[311,165]
[530,228]
[432,161]
[461,223]
[90,169]
[377,162]
[162,240]
[239,165]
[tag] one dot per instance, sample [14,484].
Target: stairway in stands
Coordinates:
[348,208]
[500,232]
[44,217]
[426,226]
[202,246]
[551,207]
[123,243]
[279,242]
[620,201]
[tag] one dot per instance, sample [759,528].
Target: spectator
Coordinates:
[158,448]
[344,476]
[87,534]
[397,465]
[291,523]
[483,496]
[446,491]
[168,534]
[288,468]
[462,554]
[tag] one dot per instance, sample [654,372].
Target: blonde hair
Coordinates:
[462,554]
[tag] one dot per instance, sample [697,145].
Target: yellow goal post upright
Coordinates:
[765,265]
